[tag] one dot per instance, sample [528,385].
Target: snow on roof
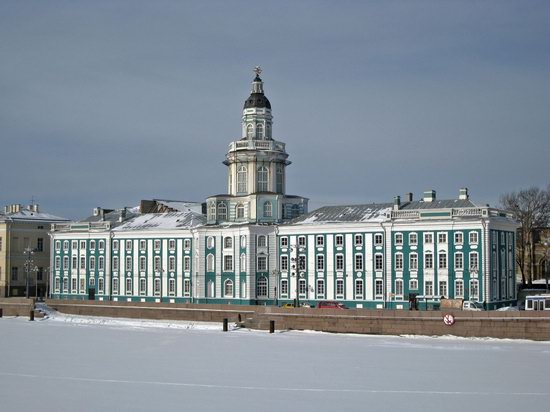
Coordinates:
[351,213]
[171,220]
[180,205]
[26,214]
[437,204]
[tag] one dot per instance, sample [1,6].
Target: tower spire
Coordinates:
[257,84]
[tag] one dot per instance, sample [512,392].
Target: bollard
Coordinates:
[271,326]
[1,312]
[225,324]
[240,319]
[31,315]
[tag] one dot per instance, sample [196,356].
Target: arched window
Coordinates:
[268,212]
[241,180]
[222,211]
[260,131]
[262,287]
[240,211]
[228,288]
[262,179]
[210,263]
[250,131]
[262,241]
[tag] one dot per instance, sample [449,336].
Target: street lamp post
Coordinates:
[546,246]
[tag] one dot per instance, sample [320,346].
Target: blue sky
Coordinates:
[105,103]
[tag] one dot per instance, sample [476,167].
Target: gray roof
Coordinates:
[114,216]
[171,220]
[350,213]
[26,214]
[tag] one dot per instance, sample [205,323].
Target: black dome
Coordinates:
[257,100]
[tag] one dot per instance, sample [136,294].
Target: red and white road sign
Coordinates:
[448,319]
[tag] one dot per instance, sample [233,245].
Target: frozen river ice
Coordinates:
[68,363]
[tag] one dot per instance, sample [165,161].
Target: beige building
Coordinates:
[25,250]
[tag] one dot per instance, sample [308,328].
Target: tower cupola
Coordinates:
[257,98]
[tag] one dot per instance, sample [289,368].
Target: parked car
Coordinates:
[469,305]
[287,305]
[330,304]
[306,305]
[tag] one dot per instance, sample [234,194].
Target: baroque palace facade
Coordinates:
[258,245]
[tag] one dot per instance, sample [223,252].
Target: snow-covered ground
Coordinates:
[76,363]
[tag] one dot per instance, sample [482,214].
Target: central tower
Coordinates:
[256,181]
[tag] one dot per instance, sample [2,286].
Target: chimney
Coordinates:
[6,209]
[429,196]
[122,216]
[16,208]
[97,211]
[463,194]
[35,208]
[396,202]
[409,197]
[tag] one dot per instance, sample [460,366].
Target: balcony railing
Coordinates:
[272,145]
[59,227]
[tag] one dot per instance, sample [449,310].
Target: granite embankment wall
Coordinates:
[17,307]
[514,325]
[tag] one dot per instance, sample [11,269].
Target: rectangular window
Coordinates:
[129,286]
[339,262]
[57,245]
[65,244]
[339,288]
[92,245]
[82,262]
[92,263]
[142,286]
[115,263]
[129,245]
[262,241]
[473,237]
[301,241]
[172,244]
[428,261]
[57,264]
[399,261]
[428,288]
[442,260]
[320,241]
[339,240]
[428,238]
[398,239]
[101,263]
[359,262]
[39,274]
[100,285]
[458,238]
[413,238]
[284,263]
[115,286]
[39,244]
[171,263]
[74,263]
[459,289]
[443,288]
[459,261]
[358,240]
[284,287]
[442,237]
[74,244]
[157,264]
[284,242]
[359,288]
[101,245]
[320,288]
[302,262]
[92,282]
[399,288]
[378,289]
[142,245]
[82,244]
[0,244]
[57,284]
[228,263]
[320,262]
[378,239]
[378,262]
[474,289]
[142,264]
[73,285]
[262,263]
[115,245]
[413,261]
[473,261]
[156,244]
[157,286]
[14,273]
[302,288]
[172,287]
[413,284]
[186,287]
[187,244]
[128,263]
[187,264]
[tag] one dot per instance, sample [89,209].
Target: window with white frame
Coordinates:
[378,239]
[157,264]
[142,245]
[399,288]
[473,261]
[65,285]
[268,210]
[82,285]
[142,263]
[82,244]
[339,262]
[228,263]
[302,262]
[212,210]
[359,261]
[459,238]
[128,245]
[428,288]
[320,240]
[284,242]
[399,261]
[186,287]
[74,245]
[442,238]
[473,237]
[320,288]
[474,289]
[156,244]
[413,261]
[241,179]
[92,245]
[302,288]
[73,285]
[443,288]
[128,263]
[57,264]
[284,263]
[128,286]
[301,241]
[92,281]
[210,263]
[250,130]
[171,287]
[222,211]
[459,288]
[66,262]
[187,244]
[171,245]
[320,262]
[115,263]
[339,240]
[262,179]
[171,263]
[399,239]
[260,131]
[262,286]
[378,262]
[101,245]
[428,260]
[92,263]
[186,263]
[359,288]
[339,288]
[428,238]
[262,241]
[100,285]
[284,287]
[262,263]
[240,211]
[156,286]
[228,288]
[378,289]
[442,259]
[101,263]
[210,242]
[413,284]
[74,263]
[115,286]
[57,245]
[358,240]
[459,261]
[115,245]
[413,238]
[227,242]
[82,262]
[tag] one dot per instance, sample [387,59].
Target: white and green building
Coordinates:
[258,245]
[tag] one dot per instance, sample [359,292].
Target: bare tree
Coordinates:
[532,209]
